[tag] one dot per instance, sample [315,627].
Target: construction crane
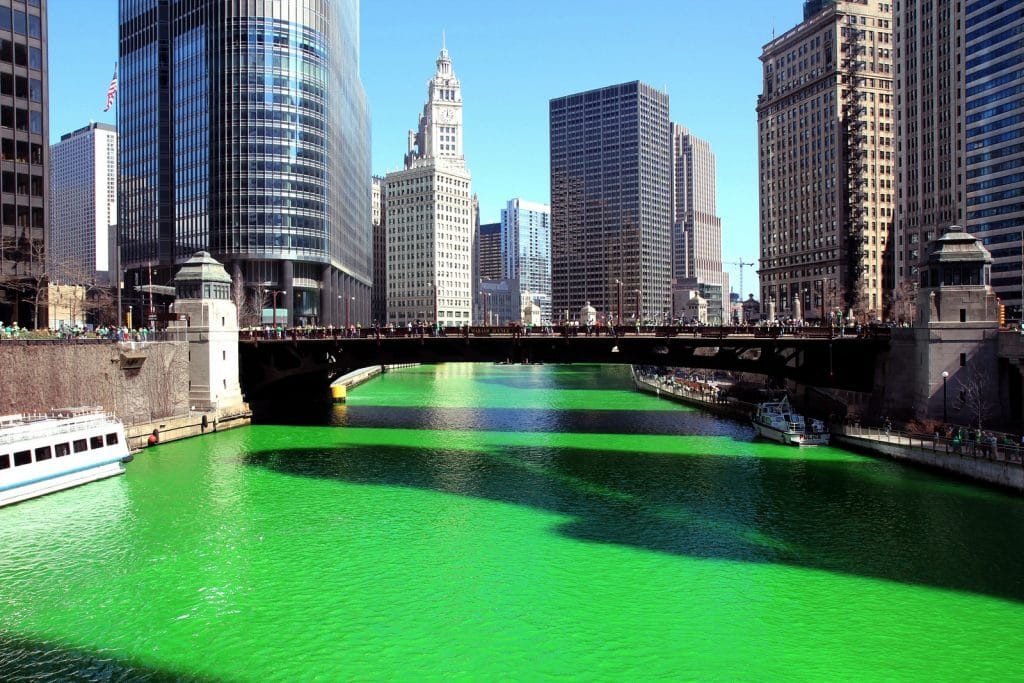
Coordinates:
[742,264]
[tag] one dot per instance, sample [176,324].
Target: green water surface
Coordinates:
[476,522]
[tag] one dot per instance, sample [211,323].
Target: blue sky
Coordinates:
[512,58]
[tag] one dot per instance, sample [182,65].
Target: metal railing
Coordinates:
[990,447]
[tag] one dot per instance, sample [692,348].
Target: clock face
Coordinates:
[447,114]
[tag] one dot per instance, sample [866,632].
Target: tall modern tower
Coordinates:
[244,132]
[490,251]
[611,201]
[83,205]
[24,158]
[431,216]
[994,140]
[696,227]
[526,251]
[929,53]
[826,147]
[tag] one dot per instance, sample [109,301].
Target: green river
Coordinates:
[479,522]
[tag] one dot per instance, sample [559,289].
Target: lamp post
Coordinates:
[348,302]
[618,313]
[944,413]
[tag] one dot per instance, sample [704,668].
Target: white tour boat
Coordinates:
[776,420]
[47,452]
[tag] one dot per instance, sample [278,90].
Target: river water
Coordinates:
[478,522]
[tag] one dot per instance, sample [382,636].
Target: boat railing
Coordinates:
[51,423]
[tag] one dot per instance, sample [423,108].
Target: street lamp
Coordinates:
[944,415]
[348,302]
[618,313]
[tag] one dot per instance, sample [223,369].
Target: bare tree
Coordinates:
[976,396]
[247,308]
[902,303]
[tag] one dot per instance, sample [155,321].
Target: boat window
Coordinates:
[96,441]
[5,461]
[22,458]
[62,449]
[43,453]
[81,445]
[111,439]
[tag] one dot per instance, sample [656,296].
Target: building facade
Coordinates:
[378,306]
[611,200]
[490,251]
[83,206]
[526,251]
[24,159]
[431,215]
[994,140]
[826,162]
[696,227]
[244,132]
[929,119]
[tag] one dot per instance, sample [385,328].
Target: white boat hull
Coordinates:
[69,480]
[791,438]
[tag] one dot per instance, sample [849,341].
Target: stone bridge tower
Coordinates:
[203,296]
[945,368]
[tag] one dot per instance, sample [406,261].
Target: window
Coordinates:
[5,461]
[963,360]
[80,445]
[96,441]
[43,453]
[22,458]
[62,449]
[112,438]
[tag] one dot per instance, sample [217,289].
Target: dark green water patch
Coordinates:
[817,514]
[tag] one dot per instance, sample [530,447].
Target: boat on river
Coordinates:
[46,452]
[776,420]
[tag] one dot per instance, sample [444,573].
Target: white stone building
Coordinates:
[429,209]
[83,205]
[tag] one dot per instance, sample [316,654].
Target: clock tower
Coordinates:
[440,125]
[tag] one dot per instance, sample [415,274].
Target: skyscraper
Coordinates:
[24,166]
[431,216]
[490,251]
[526,251]
[994,139]
[378,308]
[826,148]
[83,205]
[696,227]
[929,120]
[611,201]
[244,131]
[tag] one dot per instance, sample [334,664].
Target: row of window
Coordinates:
[19,458]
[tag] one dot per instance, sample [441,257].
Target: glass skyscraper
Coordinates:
[994,136]
[245,132]
[24,168]
[611,202]
[526,251]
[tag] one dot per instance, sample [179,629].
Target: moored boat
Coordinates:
[776,420]
[48,452]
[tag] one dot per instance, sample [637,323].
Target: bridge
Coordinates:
[304,362]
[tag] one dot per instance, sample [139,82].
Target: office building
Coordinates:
[611,200]
[378,305]
[526,251]
[696,227]
[244,132]
[83,206]
[490,251]
[431,215]
[994,140]
[826,148]
[929,154]
[24,159]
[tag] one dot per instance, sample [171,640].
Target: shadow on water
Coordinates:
[823,515]
[22,659]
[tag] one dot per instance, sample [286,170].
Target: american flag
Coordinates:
[111,91]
